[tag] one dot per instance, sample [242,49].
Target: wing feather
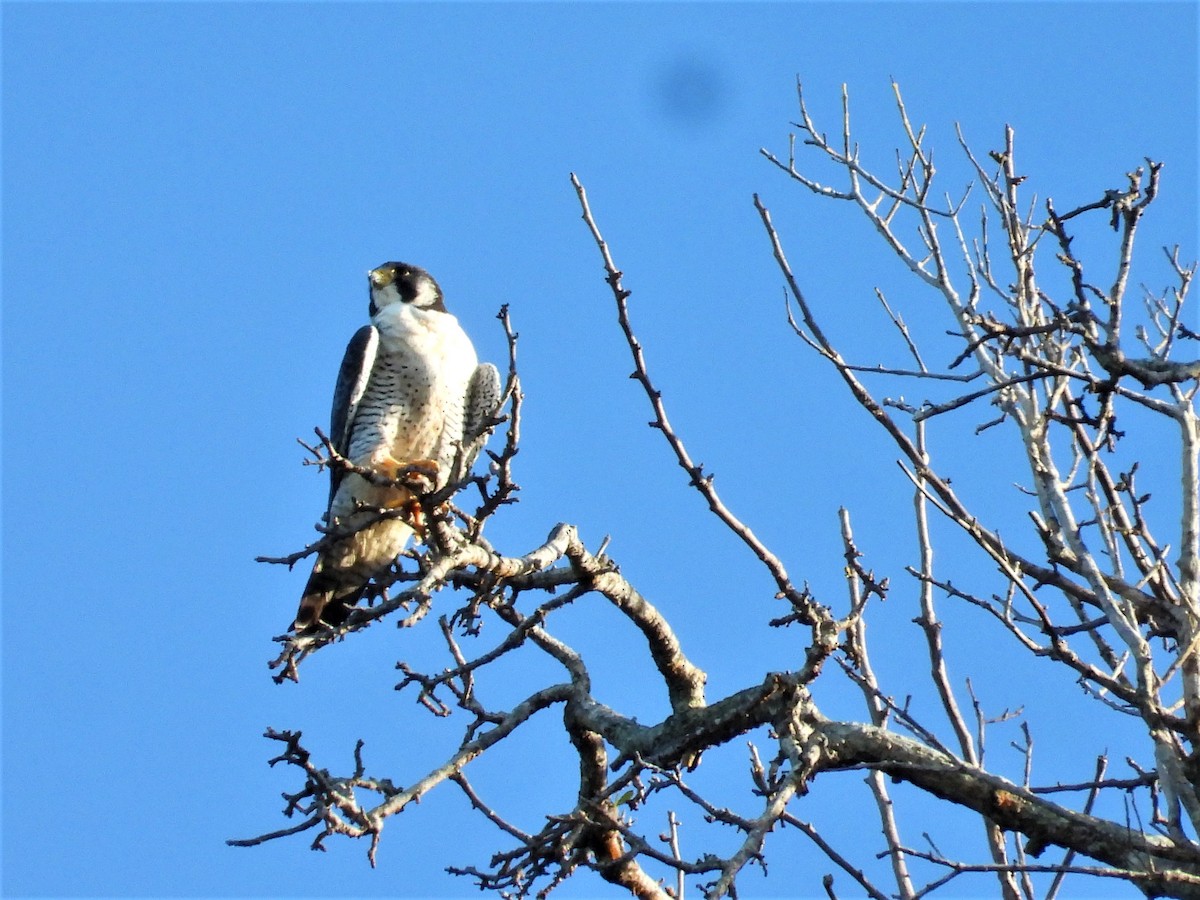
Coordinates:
[483,397]
[352,380]
[479,408]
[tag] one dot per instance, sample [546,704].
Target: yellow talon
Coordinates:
[419,473]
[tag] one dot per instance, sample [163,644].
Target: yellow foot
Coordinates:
[413,477]
[415,516]
[420,474]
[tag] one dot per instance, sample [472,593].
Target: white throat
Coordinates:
[385,296]
[401,322]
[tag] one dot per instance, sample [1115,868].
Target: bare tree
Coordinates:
[1054,350]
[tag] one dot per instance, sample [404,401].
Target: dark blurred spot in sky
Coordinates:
[689,90]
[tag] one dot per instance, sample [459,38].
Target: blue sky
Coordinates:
[192,194]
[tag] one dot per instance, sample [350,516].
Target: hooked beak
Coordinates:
[381,277]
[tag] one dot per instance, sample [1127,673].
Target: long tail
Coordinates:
[322,602]
[341,573]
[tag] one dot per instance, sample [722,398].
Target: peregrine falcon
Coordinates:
[410,393]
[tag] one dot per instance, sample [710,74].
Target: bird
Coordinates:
[411,396]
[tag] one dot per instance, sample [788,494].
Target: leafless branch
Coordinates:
[1089,588]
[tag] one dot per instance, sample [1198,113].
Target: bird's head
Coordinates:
[397,282]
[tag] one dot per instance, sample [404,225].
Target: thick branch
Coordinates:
[1012,807]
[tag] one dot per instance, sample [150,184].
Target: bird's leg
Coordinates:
[416,474]
[413,477]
